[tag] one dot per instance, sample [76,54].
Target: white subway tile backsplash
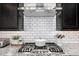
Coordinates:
[39,27]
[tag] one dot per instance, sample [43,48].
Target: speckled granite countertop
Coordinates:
[70,49]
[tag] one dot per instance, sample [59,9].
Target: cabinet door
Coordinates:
[78,14]
[69,15]
[0,14]
[8,18]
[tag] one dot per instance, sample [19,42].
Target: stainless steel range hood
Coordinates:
[40,6]
[40,9]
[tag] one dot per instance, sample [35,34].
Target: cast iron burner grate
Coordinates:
[42,47]
[27,47]
[52,47]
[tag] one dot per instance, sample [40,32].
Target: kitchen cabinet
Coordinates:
[69,17]
[9,18]
[69,20]
[78,14]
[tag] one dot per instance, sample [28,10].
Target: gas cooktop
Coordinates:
[49,47]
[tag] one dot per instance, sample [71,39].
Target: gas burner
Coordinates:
[40,47]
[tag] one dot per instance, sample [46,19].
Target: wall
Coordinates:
[48,32]
[39,27]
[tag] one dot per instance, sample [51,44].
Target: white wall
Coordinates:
[39,27]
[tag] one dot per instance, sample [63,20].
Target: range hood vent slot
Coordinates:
[39,5]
